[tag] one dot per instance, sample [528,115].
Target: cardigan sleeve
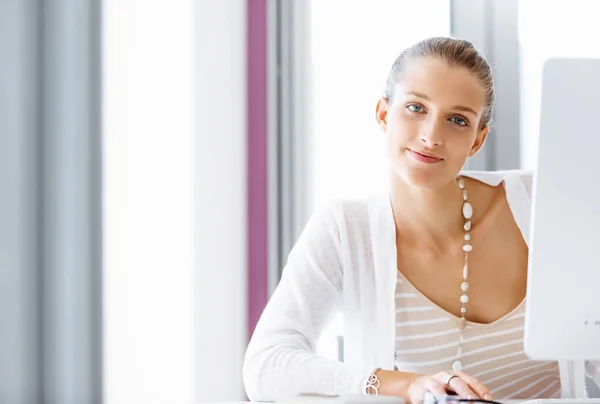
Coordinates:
[280,360]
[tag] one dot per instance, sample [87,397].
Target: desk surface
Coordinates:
[542,401]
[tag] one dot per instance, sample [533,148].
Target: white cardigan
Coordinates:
[346,260]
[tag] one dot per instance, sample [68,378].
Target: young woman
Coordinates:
[431,277]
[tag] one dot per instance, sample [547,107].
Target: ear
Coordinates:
[479,140]
[381,113]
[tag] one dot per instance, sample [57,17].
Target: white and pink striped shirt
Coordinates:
[427,339]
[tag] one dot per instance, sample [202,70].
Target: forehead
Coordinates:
[444,85]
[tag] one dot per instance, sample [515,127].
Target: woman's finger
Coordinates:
[456,384]
[436,388]
[416,394]
[479,388]
[424,386]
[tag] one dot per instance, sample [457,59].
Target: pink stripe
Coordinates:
[257,159]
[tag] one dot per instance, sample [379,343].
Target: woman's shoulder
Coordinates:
[353,212]
[495,178]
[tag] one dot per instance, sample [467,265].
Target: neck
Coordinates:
[429,219]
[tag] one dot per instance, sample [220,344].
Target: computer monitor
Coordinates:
[562,319]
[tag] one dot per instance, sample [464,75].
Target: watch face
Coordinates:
[592,378]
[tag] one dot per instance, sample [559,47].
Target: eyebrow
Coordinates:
[458,107]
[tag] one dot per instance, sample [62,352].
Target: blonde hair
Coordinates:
[454,52]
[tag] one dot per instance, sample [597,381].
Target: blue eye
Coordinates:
[458,121]
[415,108]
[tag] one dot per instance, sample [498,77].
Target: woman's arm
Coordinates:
[280,361]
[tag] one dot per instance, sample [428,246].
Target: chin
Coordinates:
[427,178]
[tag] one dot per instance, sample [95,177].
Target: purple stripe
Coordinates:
[257,160]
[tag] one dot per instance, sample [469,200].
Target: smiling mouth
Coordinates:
[424,158]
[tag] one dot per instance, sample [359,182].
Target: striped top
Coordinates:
[427,340]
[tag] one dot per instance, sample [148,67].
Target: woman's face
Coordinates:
[432,125]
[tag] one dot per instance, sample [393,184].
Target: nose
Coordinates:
[431,134]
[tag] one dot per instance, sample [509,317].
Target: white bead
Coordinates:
[457,366]
[467,210]
[465,272]
[464,299]
[463,310]
[464,286]
[461,184]
[467,248]
[459,352]
[467,237]
[461,338]
[468,225]
[465,194]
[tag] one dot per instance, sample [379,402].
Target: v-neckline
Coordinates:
[452,316]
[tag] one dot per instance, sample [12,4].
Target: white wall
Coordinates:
[175,201]
[220,135]
[148,201]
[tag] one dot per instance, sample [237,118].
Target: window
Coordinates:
[547,30]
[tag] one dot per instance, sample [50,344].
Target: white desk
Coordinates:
[378,400]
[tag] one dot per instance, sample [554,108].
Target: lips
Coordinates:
[424,157]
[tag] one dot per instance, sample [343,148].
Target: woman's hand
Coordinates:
[413,386]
